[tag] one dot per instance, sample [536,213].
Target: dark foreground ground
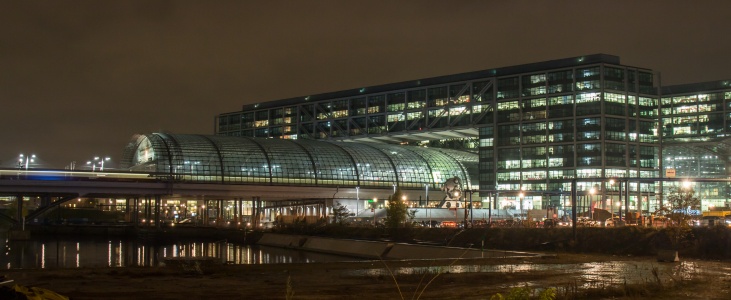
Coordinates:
[574,277]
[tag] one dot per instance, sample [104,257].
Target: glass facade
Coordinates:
[577,123]
[534,127]
[696,131]
[244,160]
[698,162]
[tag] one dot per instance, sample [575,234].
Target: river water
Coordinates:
[84,252]
[69,252]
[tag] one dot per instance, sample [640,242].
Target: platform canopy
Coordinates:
[244,160]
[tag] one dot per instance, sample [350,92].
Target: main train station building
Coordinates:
[534,128]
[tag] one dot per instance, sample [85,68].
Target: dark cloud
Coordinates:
[79,78]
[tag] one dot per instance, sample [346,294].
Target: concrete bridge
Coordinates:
[145,196]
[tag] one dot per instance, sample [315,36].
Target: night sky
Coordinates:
[79,78]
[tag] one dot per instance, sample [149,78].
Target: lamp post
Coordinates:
[357,199]
[405,203]
[520,202]
[472,217]
[465,209]
[426,186]
[610,204]
[592,191]
[375,203]
[489,207]
[98,160]
[611,182]
[24,161]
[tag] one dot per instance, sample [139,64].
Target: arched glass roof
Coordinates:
[243,160]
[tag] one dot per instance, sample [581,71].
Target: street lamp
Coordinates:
[426,186]
[97,160]
[24,161]
[687,184]
[592,191]
[520,197]
[375,203]
[611,182]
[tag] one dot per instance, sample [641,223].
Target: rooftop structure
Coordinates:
[243,160]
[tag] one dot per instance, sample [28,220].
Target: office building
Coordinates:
[535,128]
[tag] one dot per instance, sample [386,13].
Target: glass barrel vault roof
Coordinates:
[244,160]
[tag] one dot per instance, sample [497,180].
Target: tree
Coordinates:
[396,211]
[340,213]
[680,202]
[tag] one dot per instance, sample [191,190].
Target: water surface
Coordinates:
[69,252]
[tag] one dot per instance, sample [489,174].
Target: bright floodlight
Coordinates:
[686,184]
[24,161]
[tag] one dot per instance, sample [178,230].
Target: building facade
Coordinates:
[696,131]
[536,127]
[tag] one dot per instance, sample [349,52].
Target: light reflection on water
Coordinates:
[69,253]
[502,268]
[590,275]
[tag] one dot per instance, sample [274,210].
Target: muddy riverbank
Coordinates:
[583,276]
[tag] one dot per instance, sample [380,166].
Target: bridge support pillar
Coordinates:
[235,210]
[157,211]
[147,210]
[19,205]
[256,212]
[253,212]
[45,200]
[136,212]
[238,211]
[127,217]
[132,208]
[204,213]
[143,210]
[219,213]
[241,211]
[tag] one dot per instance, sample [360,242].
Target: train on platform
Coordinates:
[74,175]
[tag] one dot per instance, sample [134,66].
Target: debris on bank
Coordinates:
[30,293]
